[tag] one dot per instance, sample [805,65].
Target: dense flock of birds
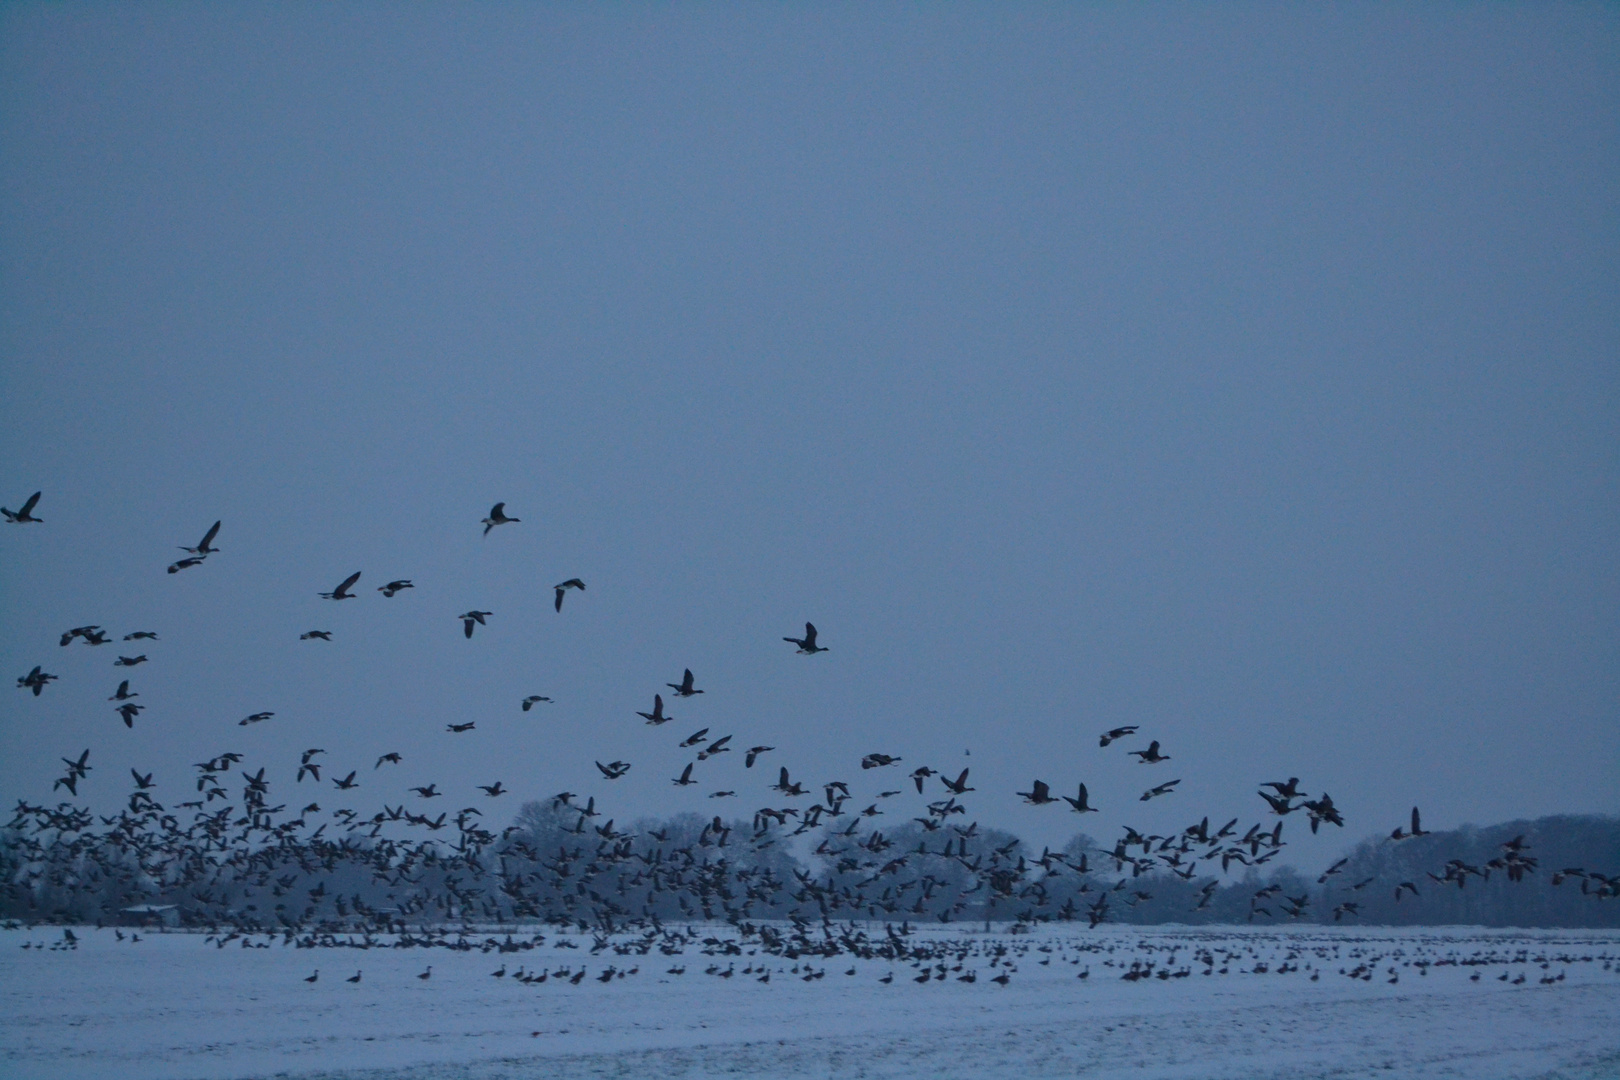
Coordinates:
[220,866]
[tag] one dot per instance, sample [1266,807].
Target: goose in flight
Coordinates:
[695,738]
[877,761]
[205,545]
[1398,834]
[562,590]
[919,774]
[657,715]
[1163,789]
[77,631]
[613,770]
[718,746]
[35,680]
[312,635]
[530,701]
[492,790]
[186,563]
[807,644]
[255,718]
[142,783]
[1151,755]
[129,711]
[1038,795]
[129,661]
[1080,805]
[392,759]
[429,792]
[957,786]
[123,693]
[342,591]
[685,778]
[785,786]
[141,635]
[469,617]
[685,688]
[24,516]
[347,783]
[497,516]
[753,754]
[395,586]
[459,728]
[1116,733]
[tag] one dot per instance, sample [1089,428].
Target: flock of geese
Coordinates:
[252,867]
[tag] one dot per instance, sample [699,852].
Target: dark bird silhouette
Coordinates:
[877,761]
[429,792]
[1039,794]
[186,563]
[716,746]
[614,770]
[141,635]
[392,759]
[205,545]
[129,710]
[35,680]
[129,661]
[562,590]
[786,786]
[1116,733]
[254,718]
[530,701]
[395,586]
[1151,755]
[459,728]
[77,631]
[347,783]
[468,618]
[312,978]
[807,644]
[957,786]
[1162,789]
[311,635]
[1398,834]
[684,689]
[353,978]
[695,738]
[342,591]
[497,516]
[25,516]
[685,778]
[657,715]
[1080,806]
[753,753]
[492,790]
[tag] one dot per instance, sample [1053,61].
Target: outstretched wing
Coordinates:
[208,538]
[29,505]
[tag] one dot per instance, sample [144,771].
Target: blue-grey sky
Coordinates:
[1246,373]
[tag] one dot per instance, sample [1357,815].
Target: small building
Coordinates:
[150,915]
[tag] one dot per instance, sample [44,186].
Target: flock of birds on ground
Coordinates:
[388,873]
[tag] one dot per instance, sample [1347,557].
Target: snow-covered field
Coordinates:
[1271,1004]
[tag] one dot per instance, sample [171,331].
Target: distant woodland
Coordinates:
[255,872]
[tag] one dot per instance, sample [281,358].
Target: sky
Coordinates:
[1246,373]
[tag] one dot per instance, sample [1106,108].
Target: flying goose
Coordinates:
[204,546]
[342,591]
[25,515]
[395,586]
[563,587]
[807,644]
[657,715]
[497,516]
[469,617]
[684,689]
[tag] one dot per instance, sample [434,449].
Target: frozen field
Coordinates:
[1407,1005]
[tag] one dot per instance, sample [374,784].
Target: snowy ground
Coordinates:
[173,1006]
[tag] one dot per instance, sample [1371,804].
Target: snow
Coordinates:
[176,1006]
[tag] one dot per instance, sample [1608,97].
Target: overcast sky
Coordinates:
[1245,373]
